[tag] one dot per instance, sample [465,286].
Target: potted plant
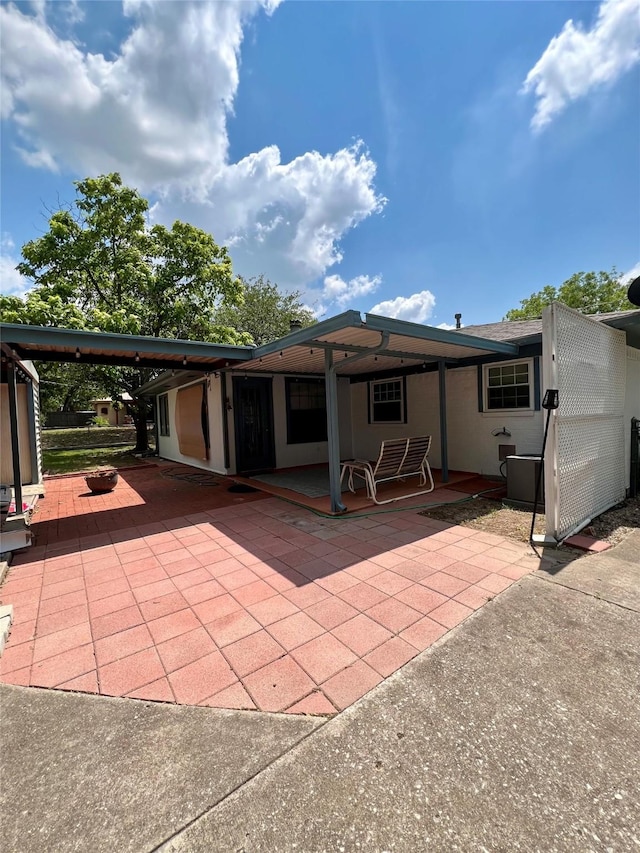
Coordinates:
[102,481]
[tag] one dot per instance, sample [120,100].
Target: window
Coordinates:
[508,386]
[163,414]
[306,410]
[104,411]
[387,402]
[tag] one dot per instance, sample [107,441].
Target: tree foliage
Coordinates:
[100,266]
[266,313]
[589,292]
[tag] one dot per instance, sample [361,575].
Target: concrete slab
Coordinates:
[90,773]
[521,731]
[613,576]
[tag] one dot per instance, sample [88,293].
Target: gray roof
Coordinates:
[518,330]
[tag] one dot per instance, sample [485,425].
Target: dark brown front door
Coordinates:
[253,410]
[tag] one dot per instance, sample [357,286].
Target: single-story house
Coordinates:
[337,389]
[115,414]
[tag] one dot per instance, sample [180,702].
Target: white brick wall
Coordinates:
[471,446]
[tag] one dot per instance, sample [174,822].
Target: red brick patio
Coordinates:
[172,592]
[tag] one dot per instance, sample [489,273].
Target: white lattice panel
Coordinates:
[585,471]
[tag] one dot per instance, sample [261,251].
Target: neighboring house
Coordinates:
[476,390]
[104,408]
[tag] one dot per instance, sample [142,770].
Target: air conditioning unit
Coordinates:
[522,476]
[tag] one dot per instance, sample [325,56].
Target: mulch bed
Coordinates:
[480,514]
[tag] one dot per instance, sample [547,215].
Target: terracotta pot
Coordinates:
[104,481]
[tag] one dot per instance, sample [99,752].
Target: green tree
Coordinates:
[266,313]
[589,292]
[101,267]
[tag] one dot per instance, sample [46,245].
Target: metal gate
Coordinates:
[585,460]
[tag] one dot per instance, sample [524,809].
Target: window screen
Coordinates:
[306,410]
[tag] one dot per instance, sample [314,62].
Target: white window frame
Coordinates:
[372,385]
[531,384]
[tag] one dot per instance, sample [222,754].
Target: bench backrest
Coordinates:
[400,456]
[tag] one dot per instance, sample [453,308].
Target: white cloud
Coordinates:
[342,292]
[634,272]
[12,283]
[157,112]
[416,308]
[578,60]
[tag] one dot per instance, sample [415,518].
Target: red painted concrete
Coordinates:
[167,591]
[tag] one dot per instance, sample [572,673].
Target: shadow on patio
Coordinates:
[172,592]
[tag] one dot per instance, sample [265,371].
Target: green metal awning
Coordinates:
[43,343]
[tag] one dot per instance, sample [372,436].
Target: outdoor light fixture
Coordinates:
[310,352]
[550,401]
[137,357]
[77,352]
[280,354]
[184,361]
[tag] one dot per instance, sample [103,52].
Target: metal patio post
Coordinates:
[442,394]
[15,445]
[333,432]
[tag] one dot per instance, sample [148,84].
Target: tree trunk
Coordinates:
[139,414]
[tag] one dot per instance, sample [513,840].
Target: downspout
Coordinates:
[333,431]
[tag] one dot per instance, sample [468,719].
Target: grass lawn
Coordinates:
[86,459]
[91,437]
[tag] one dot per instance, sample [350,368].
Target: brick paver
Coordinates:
[196,596]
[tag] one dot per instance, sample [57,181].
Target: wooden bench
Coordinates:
[399,458]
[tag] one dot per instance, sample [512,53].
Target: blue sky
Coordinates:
[418,159]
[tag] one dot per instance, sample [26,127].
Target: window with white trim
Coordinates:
[386,401]
[508,386]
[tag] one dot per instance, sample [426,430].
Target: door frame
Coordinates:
[267,384]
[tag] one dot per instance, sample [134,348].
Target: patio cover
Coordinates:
[345,345]
[44,343]
[20,343]
[348,345]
